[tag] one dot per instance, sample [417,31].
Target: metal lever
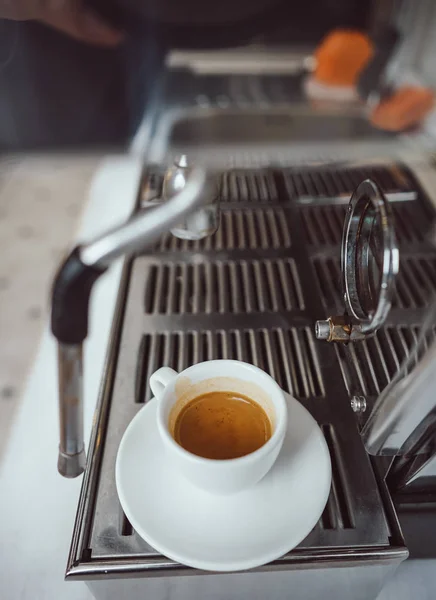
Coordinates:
[70,300]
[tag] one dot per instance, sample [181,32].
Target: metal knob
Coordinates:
[322,330]
[71,466]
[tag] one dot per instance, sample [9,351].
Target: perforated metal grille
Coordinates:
[333,182]
[253,292]
[288,355]
[415,283]
[374,362]
[249,229]
[412,222]
[248,186]
[323,225]
[223,287]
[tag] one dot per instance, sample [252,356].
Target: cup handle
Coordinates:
[160,379]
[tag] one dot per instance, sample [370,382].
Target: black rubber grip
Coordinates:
[70,299]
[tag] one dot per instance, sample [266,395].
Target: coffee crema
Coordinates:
[222,425]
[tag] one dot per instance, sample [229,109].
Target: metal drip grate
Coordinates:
[298,373]
[412,222]
[239,230]
[374,362]
[323,224]
[341,182]
[223,287]
[253,292]
[415,283]
[248,186]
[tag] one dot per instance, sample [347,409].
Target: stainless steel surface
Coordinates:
[339,583]
[205,220]
[145,228]
[369,265]
[252,291]
[72,458]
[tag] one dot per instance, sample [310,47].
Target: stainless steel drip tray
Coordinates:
[252,292]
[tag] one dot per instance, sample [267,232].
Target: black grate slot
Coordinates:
[125,527]
[150,289]
[263,344]
[338,512]
[329,279]
[191,353]
[205,355]
[281,368]
[305,374]
[248,354]
[311,364]
[141,368]
[220,346]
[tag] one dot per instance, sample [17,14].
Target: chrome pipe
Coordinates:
[72,458]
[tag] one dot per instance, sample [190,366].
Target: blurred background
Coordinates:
[142,77]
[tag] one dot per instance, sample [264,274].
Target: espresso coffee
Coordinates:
[222,425]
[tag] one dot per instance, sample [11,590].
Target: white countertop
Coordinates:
[38,506]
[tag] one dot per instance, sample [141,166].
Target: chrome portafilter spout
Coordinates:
[72,289]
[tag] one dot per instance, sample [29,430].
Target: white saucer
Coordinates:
[223,533]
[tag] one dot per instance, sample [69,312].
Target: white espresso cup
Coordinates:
[173,391]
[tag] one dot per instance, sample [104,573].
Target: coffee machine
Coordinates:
[308,254]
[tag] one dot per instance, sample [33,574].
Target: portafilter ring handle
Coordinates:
[369,264]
